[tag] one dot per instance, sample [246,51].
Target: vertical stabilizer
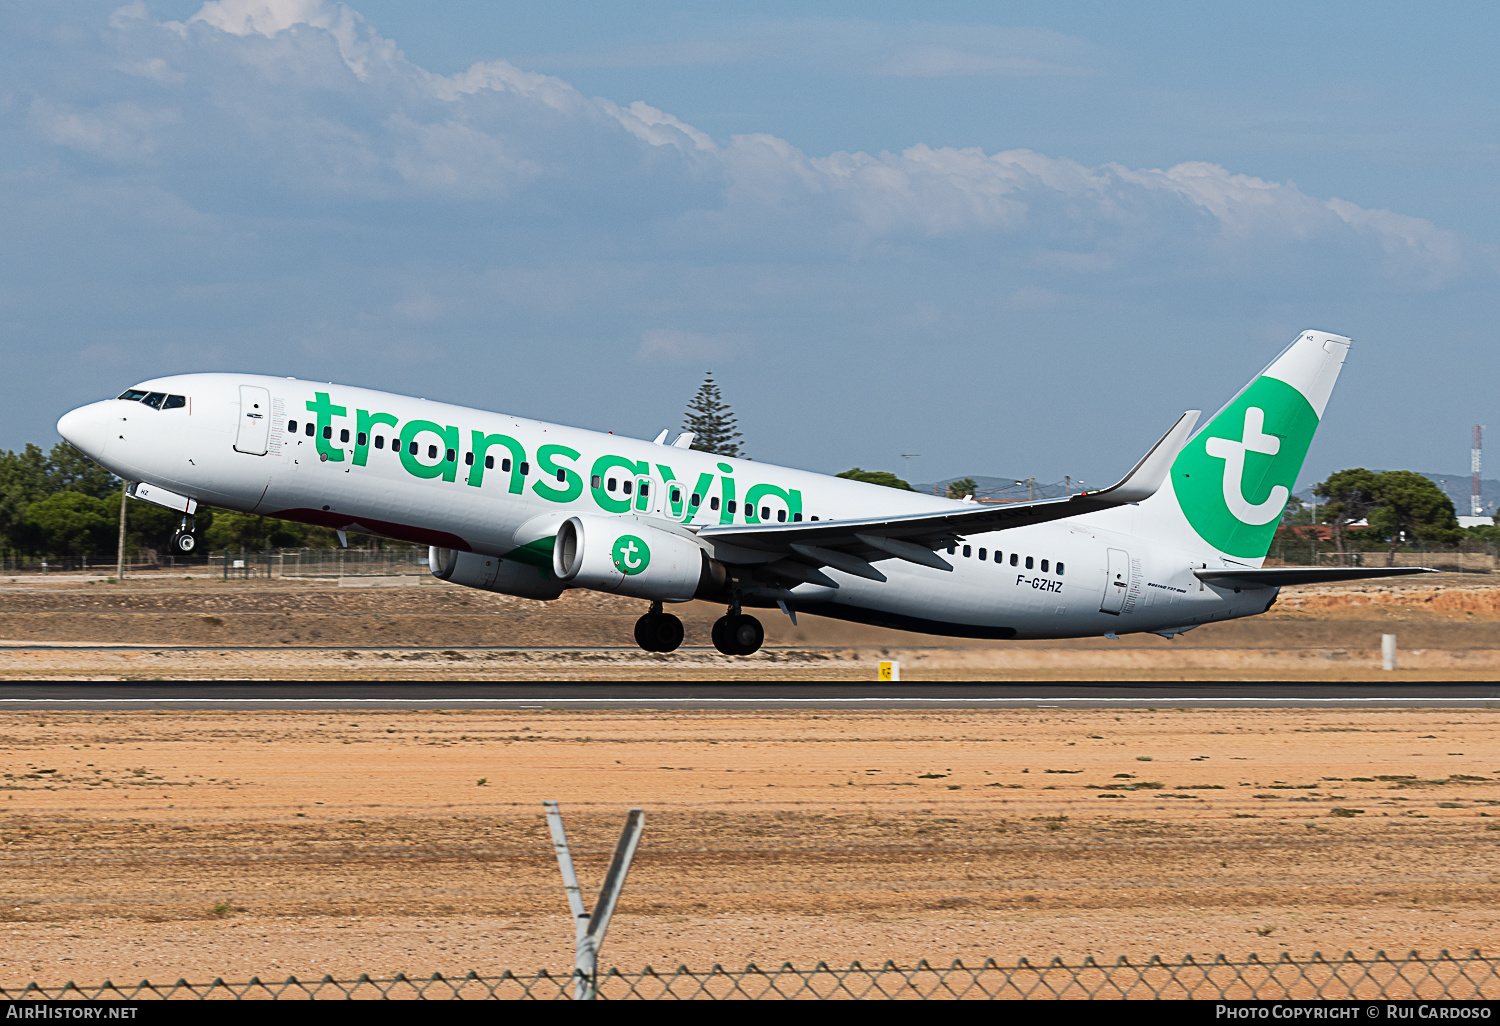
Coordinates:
[1232,480]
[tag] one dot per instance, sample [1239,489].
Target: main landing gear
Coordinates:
[185,540]
[738,633]
[658,631]
[735,634]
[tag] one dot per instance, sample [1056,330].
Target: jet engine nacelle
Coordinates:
[491,573]
[626,557]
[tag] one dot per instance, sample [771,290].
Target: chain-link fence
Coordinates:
[1445,977]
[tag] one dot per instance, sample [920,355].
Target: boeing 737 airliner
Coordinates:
[530,508]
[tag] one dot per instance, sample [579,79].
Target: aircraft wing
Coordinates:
[797,550]
[1276,576]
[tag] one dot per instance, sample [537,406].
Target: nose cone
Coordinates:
[87,429]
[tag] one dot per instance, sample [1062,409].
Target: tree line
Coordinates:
[61,505]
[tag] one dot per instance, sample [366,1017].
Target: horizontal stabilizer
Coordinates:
[1276,576]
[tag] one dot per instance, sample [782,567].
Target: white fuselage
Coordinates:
[494,484]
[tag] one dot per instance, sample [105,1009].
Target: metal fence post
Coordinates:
[589,929]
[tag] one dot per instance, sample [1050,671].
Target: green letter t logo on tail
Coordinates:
[1234,479]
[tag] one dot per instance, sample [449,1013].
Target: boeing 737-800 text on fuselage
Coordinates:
[530,509]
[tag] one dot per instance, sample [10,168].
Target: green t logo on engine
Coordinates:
[631,555]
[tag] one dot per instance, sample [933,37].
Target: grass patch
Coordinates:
[1346,813]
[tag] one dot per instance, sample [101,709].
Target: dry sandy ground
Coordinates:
[1448,627]
[168,845]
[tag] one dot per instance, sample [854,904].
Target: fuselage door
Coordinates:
[1117,583]
[255,421]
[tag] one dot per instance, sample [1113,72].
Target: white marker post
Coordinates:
[1387,651]
[589,929]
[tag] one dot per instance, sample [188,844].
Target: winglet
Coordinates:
[1147,475]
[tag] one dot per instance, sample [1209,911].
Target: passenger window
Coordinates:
[174,402]
[432,452]
[155,399]
[695,500]
[1014,559]
[676,495]
[952,549]
[713,503]
[468,459]
[380,441]
[1059,569]
[765,512]
[732,506]
[133,394]
[610,485]
[999,556]
[968,552]
[1044,566]
[413,449]
[525,468]
[625,486]
[815,518]
[595,482]
[982,555]
[797,518]
[291,426]
[364,439]
[645,489]
[344,435]
[328,433]
[308,429]
[1028,562]
[489,463]
[781,515]
[452,456]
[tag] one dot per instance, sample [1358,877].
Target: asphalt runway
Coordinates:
[196,695]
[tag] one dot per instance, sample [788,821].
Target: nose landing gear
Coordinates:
[658,631]
[185,540]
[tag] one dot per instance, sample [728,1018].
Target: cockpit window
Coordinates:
[133,394]
[174,402]
[155,399]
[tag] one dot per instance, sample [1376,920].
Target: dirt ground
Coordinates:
[166,845]
[1447,627]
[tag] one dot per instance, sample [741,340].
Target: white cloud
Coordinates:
[117,131]
[304,96]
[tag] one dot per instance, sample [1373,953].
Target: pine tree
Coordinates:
[712,422]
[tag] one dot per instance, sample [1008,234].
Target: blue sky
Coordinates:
[1013,238]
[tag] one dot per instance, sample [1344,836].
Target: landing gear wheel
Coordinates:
[738,634]
[184,543]
[659,632]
